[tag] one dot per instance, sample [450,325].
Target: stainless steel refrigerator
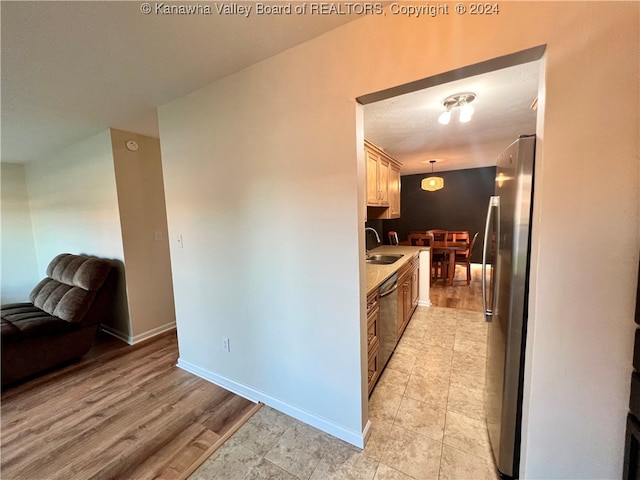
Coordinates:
[505,282]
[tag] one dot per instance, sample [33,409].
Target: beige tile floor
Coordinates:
[426,414]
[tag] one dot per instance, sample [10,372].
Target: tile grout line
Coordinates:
[446,409]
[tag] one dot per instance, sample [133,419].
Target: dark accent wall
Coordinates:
[460,205]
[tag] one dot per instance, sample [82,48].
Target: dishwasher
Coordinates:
[388,292]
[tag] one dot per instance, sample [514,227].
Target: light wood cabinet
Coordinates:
[373,341]
[394,191]
[415,284]
[408,289]
[373,370]
[377,178]
[404,303]
[383,183]
[408,292]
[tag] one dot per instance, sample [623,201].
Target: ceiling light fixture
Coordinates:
[431,184]
[459,100]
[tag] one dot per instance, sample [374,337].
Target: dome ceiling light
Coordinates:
[459,100]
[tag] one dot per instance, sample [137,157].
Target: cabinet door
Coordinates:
[408,304]
[373,328]
[394,191]
[383,180]
[401,304]
[404,303]
[373,193]
[383,183]
[415,288]
[373,370]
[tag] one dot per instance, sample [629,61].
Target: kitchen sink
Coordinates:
[380,259]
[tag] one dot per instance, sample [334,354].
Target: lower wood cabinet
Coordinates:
[373,342]
[374,368]
[408,292]
[415,285]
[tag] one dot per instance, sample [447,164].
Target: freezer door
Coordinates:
[496,340]
[505,344]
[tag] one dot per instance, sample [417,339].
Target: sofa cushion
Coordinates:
[64,301]
[70,287]
[79,271]
[23,320]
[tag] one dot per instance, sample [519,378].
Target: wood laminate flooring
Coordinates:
[459,295]
[122,412]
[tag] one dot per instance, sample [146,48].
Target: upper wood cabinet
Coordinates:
[383,183]
[377,179]
[394,191]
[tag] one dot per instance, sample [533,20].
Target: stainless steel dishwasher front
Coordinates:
[388,292]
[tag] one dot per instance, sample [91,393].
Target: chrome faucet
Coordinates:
[375,232]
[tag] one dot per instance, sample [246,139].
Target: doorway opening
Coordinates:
[403,122]
[433,386]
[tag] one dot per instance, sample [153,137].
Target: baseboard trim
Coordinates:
[153,332]
[132,340]
[354,438]
[424,303]
[366,433]
[115,333]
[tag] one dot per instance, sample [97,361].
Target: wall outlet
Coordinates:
[225,344]
[180,241]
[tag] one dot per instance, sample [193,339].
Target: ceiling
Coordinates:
[406,126]
[72,69]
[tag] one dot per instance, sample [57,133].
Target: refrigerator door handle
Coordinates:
[494,202]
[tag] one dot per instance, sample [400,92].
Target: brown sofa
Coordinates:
[60,323]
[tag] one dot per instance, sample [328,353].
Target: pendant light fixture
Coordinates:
[461,101]
[431,184]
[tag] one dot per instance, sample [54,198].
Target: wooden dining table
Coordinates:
[449,249]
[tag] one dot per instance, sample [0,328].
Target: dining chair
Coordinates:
[420,239]
[458,236]
[438,235]
[393,238]
[438,260]
[464,257]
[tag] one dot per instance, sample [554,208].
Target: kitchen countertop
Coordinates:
[376,274]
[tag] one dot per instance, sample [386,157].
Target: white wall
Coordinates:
[581,338]
[98,198]
[74,208]
[143,218]
[18,254]
[270,255]
[260,177]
